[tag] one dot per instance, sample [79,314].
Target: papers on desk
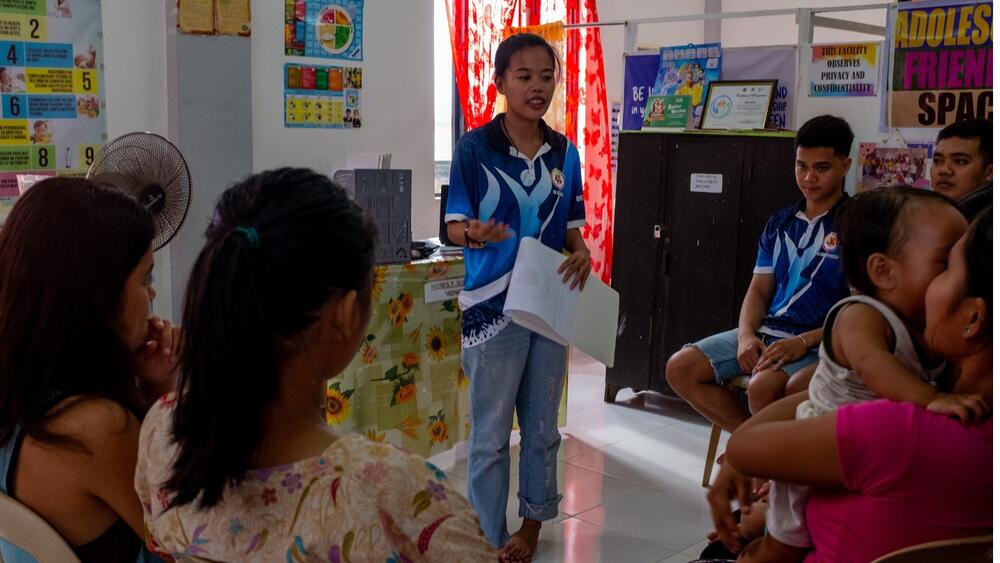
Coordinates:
[538,300]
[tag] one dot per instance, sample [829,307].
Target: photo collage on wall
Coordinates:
[318,95]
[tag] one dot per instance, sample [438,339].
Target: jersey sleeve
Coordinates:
[765,249]
[577,212]
[875,443]
[461,184]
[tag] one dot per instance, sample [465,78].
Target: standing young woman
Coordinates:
[514,178]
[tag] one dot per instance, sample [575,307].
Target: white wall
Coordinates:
[651,36]
[782,30]
[397,100]
[135,79]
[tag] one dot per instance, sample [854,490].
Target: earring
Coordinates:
[967,331]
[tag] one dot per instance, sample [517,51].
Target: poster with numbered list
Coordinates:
[326,97]
[52,87]
[324,28]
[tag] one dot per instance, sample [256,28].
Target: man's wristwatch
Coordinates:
[471,242]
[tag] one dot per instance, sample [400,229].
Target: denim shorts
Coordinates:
[720,349]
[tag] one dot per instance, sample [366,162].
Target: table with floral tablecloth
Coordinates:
[406,386]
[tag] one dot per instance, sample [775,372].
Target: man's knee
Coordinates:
[687,368]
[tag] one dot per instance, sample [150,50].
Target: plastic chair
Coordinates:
[21,527]
[978,549]
[736,383]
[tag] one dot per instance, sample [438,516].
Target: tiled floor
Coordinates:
[630,476]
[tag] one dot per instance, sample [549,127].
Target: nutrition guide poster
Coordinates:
[324,28]
[318,96]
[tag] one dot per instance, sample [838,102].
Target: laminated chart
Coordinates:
[323,96]
[51,83]
[324,28]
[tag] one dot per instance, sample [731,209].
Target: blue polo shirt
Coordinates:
[538,197]
[804,257]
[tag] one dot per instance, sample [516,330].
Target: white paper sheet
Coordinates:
[538,300]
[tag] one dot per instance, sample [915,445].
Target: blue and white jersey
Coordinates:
[540,198]
[804,257]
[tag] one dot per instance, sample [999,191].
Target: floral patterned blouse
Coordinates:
[357,501]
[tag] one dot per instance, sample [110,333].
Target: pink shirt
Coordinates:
[914,476]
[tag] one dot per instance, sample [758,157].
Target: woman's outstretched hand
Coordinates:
[490,231]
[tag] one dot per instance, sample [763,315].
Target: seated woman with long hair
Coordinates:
[81,357]
[240,465]
[887,475]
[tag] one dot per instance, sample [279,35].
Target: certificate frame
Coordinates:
[758,117]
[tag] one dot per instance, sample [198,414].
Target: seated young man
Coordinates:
[962,168]
[796,280]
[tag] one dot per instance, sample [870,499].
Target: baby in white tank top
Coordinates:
[894,242]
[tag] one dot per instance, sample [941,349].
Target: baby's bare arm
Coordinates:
[862,341]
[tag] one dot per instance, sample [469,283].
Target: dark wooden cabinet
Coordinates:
[683,257]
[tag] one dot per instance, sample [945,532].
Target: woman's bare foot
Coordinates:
[521,546]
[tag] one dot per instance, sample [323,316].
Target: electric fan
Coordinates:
[152,170]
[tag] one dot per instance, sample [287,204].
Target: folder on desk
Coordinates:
[538,300]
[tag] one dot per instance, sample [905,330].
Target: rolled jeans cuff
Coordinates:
[540,512]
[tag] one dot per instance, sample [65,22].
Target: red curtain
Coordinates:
[477,27]
[476,30]
[597,195]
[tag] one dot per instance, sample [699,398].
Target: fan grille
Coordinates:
[151,169]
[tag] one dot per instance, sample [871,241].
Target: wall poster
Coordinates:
[52,87]
[324,28]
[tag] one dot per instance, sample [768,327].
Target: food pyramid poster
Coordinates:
[324,28]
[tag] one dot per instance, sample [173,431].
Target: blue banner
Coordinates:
[640,74]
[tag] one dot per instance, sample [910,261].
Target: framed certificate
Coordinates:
[738,104]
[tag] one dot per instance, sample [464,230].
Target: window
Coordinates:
[444,97]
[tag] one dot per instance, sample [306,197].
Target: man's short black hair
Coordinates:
[977,128]
[826,131]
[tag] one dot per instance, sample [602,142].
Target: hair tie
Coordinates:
[251,234]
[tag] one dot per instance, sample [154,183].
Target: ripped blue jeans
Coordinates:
[523,371]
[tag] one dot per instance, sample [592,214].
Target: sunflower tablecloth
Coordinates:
[406,386]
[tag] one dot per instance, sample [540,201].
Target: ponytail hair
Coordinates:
[280,244]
